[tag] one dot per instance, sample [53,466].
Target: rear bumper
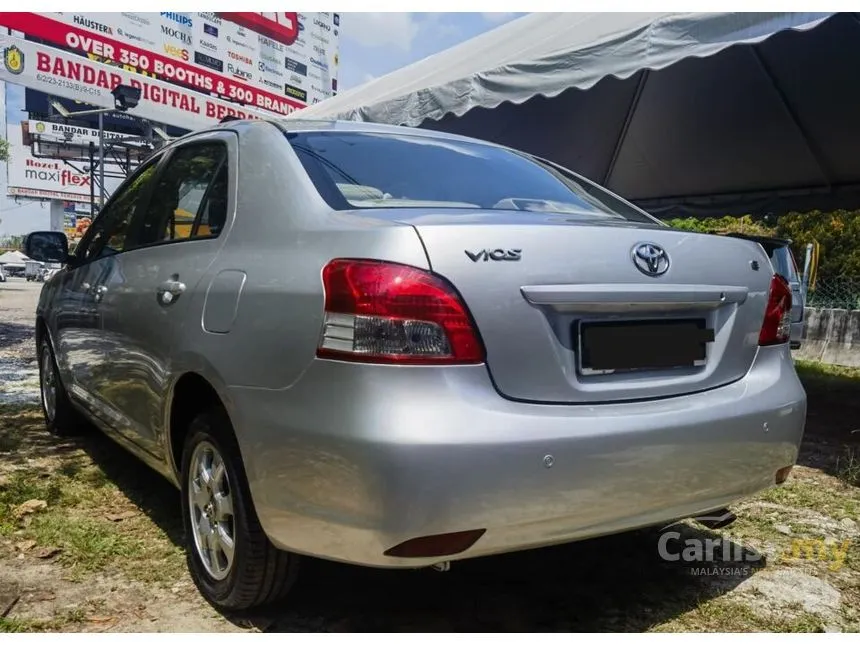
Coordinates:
[355,459]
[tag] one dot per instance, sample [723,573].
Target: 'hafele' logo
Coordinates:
[272,44]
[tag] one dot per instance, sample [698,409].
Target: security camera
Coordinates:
[125,97]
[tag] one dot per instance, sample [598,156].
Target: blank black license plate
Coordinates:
[643,344]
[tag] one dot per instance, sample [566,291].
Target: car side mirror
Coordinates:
[47,246]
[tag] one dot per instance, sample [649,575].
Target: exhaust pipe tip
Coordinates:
[719,519]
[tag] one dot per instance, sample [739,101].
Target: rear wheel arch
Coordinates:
[41,330]
[191,395]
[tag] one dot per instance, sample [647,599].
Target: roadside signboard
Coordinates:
[48,178]
[273,63]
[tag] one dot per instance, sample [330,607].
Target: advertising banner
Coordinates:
[36,177]
[68,75]
[273,62]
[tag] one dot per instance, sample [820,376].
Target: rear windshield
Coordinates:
[369,170]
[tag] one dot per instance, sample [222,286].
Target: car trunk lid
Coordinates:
[567,316]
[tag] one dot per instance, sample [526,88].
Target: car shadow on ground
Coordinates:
[616,583]
[832,432]
[14,333]
[145,488]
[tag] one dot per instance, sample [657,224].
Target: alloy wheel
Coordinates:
[211,506]
[49,385]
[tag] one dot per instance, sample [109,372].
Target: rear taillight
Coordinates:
[382,312]
[777,315]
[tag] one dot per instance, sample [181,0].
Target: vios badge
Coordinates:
[650,259]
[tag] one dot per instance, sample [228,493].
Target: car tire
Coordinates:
[257,573]
[61,417]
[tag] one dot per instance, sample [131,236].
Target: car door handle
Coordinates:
[170,290]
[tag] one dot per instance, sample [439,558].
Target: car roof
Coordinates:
[331,125]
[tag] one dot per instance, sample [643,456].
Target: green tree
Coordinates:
[4,150]
[727,224]
[837,233]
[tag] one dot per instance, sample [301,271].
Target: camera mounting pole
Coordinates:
[125,97]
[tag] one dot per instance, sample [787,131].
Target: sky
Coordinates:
[371,45]
[374,44]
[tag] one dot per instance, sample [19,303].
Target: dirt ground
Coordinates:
[90,540]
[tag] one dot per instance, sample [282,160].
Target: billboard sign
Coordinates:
[59,73]
[275,62]
[43,178]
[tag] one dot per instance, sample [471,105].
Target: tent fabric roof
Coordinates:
[683,114]
[546,54]
[13,257]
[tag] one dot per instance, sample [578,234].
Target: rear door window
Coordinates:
[189,200]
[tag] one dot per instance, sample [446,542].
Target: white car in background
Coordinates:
[2,274]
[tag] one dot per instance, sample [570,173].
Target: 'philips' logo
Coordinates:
[180,18]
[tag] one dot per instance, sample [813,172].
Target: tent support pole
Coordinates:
[628,119]
[792,115]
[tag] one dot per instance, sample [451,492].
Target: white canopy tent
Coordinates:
[13,257]
[682,113]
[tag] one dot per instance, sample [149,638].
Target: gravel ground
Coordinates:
[19,371]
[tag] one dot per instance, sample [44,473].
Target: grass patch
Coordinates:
[81,500]
[836,501]
[813,371]
[848,466]
[20,625]
[59,623]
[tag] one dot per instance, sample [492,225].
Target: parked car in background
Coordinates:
[34,271]
[2,274]
[347,356]
[784,263]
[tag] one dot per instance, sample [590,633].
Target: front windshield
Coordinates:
[376,170]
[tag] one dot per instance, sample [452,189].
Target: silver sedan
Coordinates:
[399,348]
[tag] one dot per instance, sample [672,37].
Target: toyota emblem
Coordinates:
[650,259]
